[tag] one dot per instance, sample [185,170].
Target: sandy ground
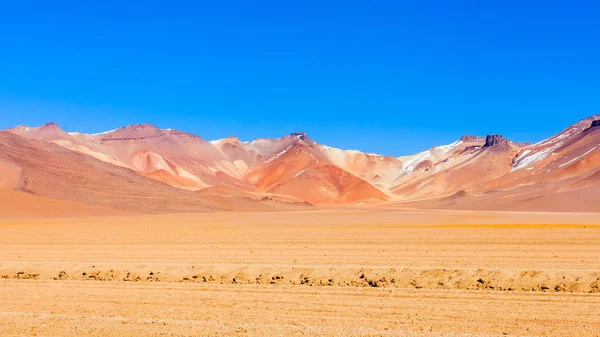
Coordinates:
[323,272]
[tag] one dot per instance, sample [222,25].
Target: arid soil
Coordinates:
[335,272]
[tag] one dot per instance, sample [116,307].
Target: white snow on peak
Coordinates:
[110,131]
[218,141]
[577,128]
[449,147]
[352,152]
[552,140]
[21,128]
[103,133]
[434,152]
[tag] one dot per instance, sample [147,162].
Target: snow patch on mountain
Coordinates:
[278,155]
[410,164]
[449,147]
[103,133]
[340,152]
[299,173]
[529,157]
[577,158]
[436,153]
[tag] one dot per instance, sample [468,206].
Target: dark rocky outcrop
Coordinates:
[299,135]
[492,140]
[595,123]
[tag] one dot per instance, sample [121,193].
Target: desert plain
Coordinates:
[370,271]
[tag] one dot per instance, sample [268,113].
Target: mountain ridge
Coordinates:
[296,166]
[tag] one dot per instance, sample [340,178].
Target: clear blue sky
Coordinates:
[392,77]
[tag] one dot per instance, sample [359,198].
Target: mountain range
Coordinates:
[141,168]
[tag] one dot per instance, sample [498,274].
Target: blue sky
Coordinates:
[392,77]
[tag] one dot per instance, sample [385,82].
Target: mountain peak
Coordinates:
[299,135]
[134,128]
[50,125]
[130,132]
[143,126]
[492,140]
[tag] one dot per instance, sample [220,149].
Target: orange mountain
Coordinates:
[146,169]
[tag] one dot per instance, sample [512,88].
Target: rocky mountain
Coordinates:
[142,158]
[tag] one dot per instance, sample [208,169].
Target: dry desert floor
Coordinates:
[332,272]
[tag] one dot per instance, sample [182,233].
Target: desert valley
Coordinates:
[149,231]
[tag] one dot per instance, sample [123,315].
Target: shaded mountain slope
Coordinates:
[51,171]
